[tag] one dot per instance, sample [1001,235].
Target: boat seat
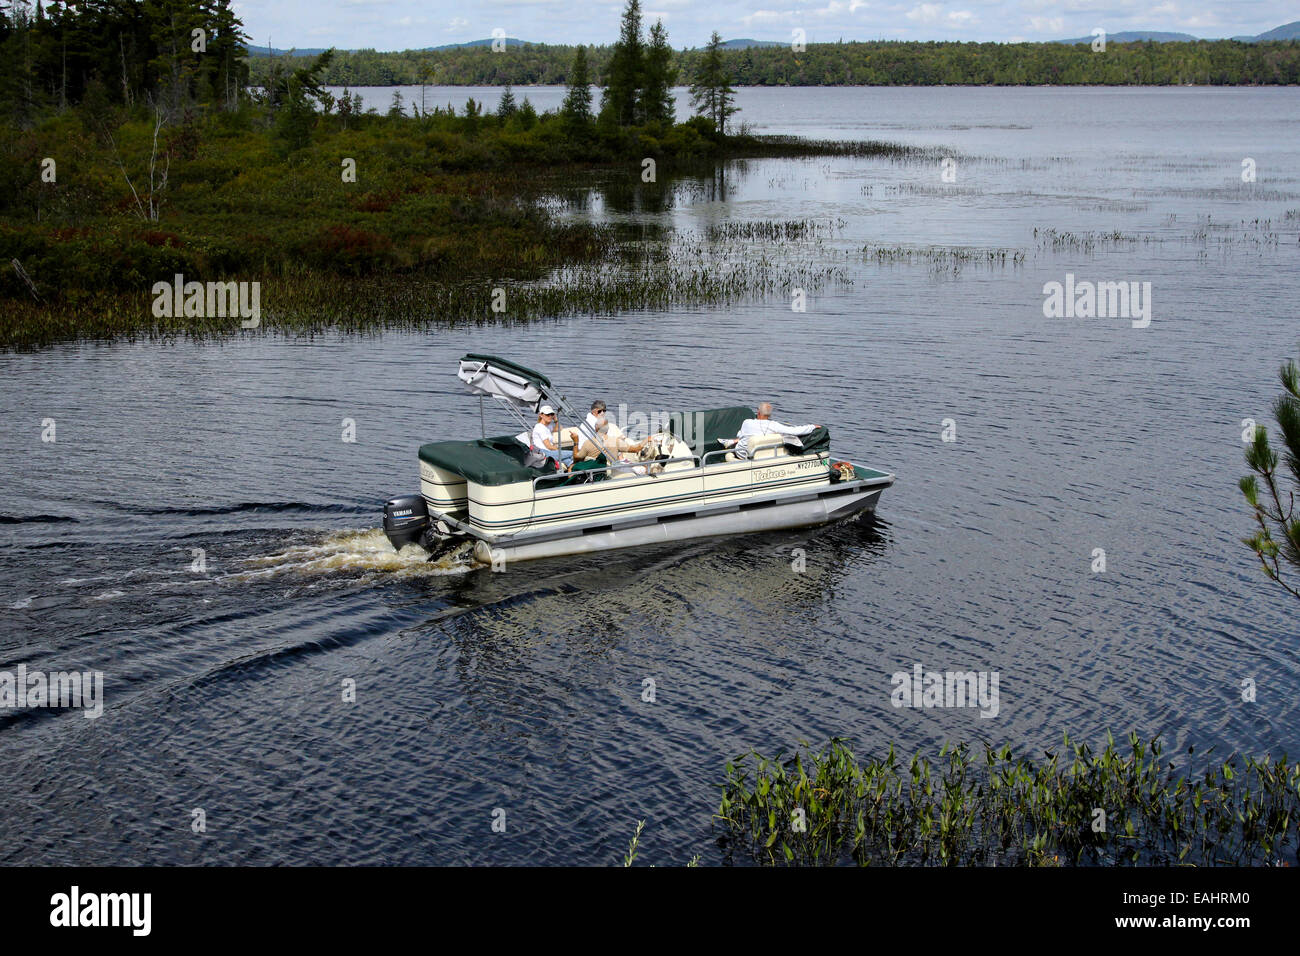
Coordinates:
[762,446]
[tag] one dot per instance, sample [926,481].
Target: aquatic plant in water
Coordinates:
[1075,806]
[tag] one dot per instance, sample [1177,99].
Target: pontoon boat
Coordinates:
[487,498]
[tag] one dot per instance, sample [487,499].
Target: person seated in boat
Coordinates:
[545,437]
[598,426]
[763,424]
[595,418]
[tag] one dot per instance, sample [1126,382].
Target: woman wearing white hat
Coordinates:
[546,440]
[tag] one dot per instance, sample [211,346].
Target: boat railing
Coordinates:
[559,479]
[750,458]
[717,457]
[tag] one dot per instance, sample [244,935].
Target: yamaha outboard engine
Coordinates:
[405,520]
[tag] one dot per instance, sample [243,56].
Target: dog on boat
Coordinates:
[661,448]
[652,453]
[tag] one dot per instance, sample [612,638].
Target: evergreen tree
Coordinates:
[626,71]
[577,101]
[711,92]
[297,117]
[348,107]
[1278,536]
[527,115]
[175,64]
[507,107]
[225,69]
[657,104]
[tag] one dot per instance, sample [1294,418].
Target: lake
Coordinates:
[523,691]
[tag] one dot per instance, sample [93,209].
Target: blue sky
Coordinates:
[406,24]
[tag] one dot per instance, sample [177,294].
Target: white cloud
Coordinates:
[932,13]
[770,16]
[925,13]
[835,8]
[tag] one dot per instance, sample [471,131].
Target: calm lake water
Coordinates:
[522,691]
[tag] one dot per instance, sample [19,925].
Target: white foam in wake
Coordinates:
[350,551]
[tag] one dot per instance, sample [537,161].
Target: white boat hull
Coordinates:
[770,517]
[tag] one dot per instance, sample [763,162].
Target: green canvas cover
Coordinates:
[818,440]
[711,424]
[484,461]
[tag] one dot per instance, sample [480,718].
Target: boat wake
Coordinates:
[344,551]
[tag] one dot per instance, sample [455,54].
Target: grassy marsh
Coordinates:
[444,209]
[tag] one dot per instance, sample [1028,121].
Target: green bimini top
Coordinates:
[500,461]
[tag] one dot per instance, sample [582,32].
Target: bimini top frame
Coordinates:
[518,388]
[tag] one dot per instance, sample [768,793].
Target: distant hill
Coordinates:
[275,51]
[510,41]
[748,44]
[1138,36]
[1288,31]
[316,51]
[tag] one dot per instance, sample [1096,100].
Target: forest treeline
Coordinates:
[1215,63]
[55,54]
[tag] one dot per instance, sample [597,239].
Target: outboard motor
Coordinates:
[405,520]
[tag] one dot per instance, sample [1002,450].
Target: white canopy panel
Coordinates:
[486,378]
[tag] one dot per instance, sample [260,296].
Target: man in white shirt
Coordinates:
[762,424]
[591,424]
[612,439]
[546,438]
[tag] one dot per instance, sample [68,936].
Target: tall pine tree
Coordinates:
[507,107]
[625,74]
[711,92]
[657,104]
[577,101]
